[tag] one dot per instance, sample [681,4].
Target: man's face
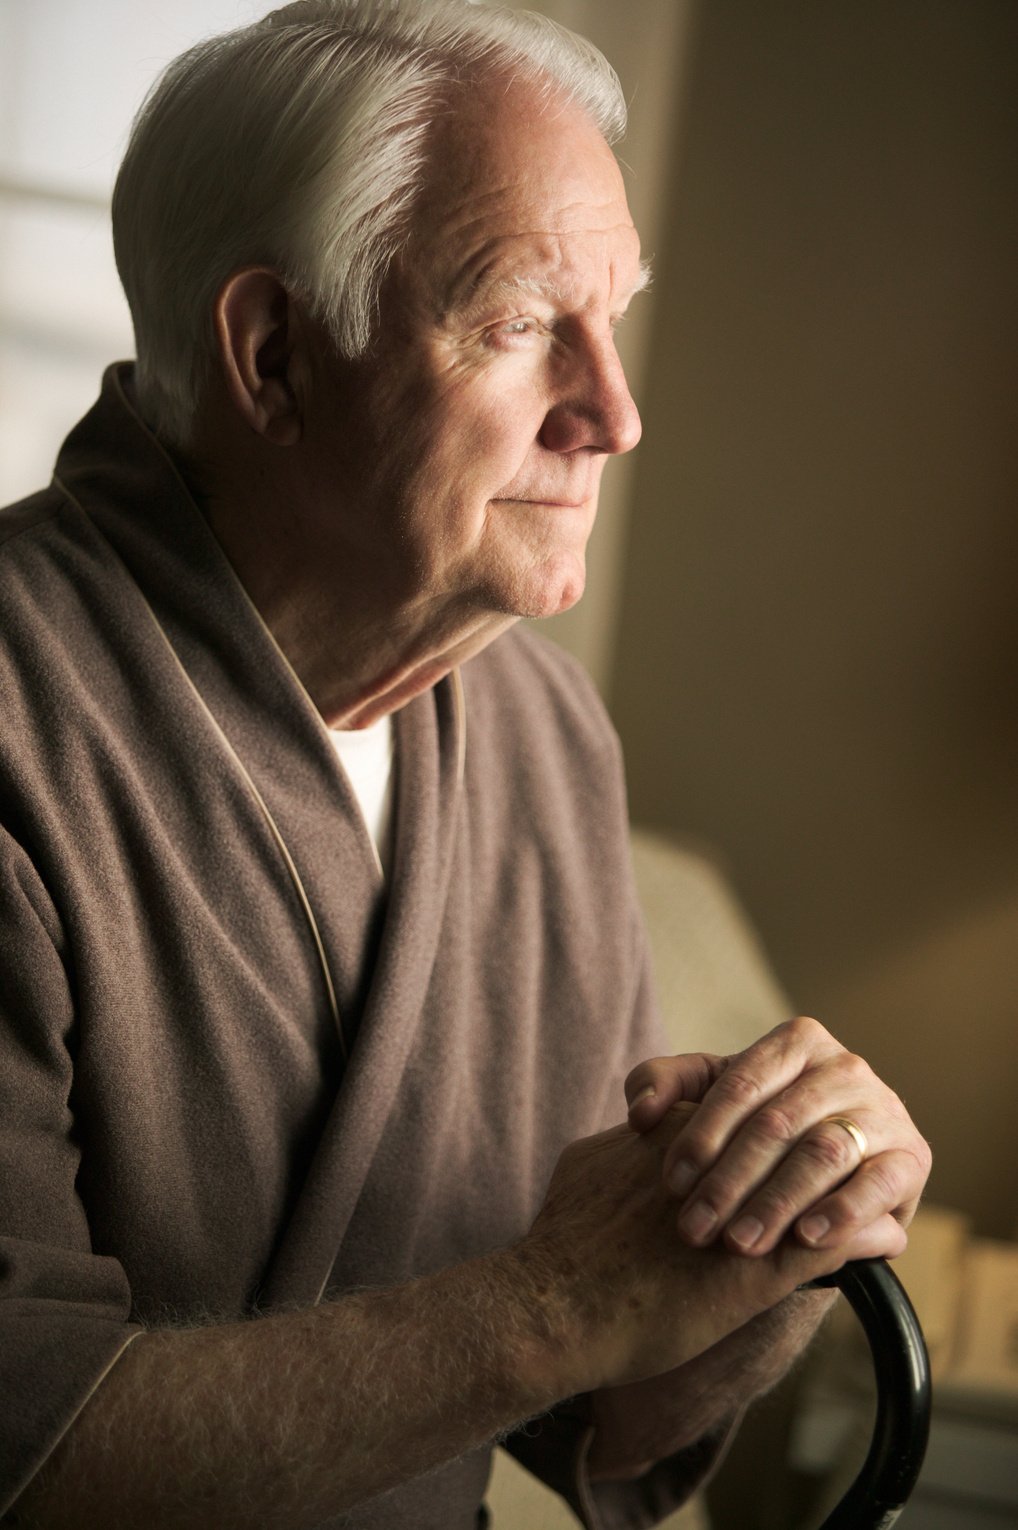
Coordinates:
[467,449]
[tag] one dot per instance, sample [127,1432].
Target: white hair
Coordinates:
[300,143]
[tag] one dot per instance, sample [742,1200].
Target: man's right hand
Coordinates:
[625,1297]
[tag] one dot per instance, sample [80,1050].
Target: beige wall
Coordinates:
[649,47]
[817,656]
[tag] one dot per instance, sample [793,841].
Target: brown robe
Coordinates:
[233,1074]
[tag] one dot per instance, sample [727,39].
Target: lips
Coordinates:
[539,499]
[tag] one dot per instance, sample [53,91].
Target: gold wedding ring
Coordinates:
[856,1133]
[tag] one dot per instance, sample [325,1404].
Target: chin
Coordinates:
[551,589]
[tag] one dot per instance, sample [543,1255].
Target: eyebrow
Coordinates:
[644,278]
[539,286]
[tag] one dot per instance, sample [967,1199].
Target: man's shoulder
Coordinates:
[28,515]
[45,559]
[51,561]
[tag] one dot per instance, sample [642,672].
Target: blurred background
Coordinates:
[803,598]
[805,617]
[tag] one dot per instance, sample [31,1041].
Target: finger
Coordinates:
[883,1186]
[824,1157]
[822,1184]
[883,1239]
[661,1082]
[798,1054]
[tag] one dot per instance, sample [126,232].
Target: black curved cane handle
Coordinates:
[902,1427]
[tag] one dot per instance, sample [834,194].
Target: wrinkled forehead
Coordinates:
[520,187]
[566,271]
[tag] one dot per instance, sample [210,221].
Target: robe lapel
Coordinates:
[429,735]
[268,723]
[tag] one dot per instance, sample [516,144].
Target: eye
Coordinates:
[511,331]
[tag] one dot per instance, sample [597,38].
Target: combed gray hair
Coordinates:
[300,143]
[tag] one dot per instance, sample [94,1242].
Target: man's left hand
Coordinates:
[771,1147]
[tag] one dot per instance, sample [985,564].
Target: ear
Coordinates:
[257,331]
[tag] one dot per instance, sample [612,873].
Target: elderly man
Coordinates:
[319,951]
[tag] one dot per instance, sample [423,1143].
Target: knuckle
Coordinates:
[776,1205]
[917,1163]
[773,1123]
[738,1087]
[806,1041]
[887,1182]
[807,1030]
[915,1144]
[831,1149]
[896,1111]
[883,1185]
[856,1069]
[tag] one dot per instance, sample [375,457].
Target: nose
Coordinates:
[592,406]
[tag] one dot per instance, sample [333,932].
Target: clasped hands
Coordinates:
[795,1136]
[734,1181]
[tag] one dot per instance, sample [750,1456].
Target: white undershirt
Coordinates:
[366,756]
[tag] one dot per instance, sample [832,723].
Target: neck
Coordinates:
[358,671]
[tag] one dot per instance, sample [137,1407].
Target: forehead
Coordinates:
[522,189]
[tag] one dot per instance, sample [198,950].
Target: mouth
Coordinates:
[547,504]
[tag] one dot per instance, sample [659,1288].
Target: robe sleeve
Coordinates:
[64,1308]
[556,1449]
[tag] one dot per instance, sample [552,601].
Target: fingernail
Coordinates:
[681,1178]
[646,1093]
[699,1221]
[812,1229]
[746,1232]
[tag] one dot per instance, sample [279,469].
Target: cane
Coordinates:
[902,1368]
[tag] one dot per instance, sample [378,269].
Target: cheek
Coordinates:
[427,432]
[502,428]
[477,443]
